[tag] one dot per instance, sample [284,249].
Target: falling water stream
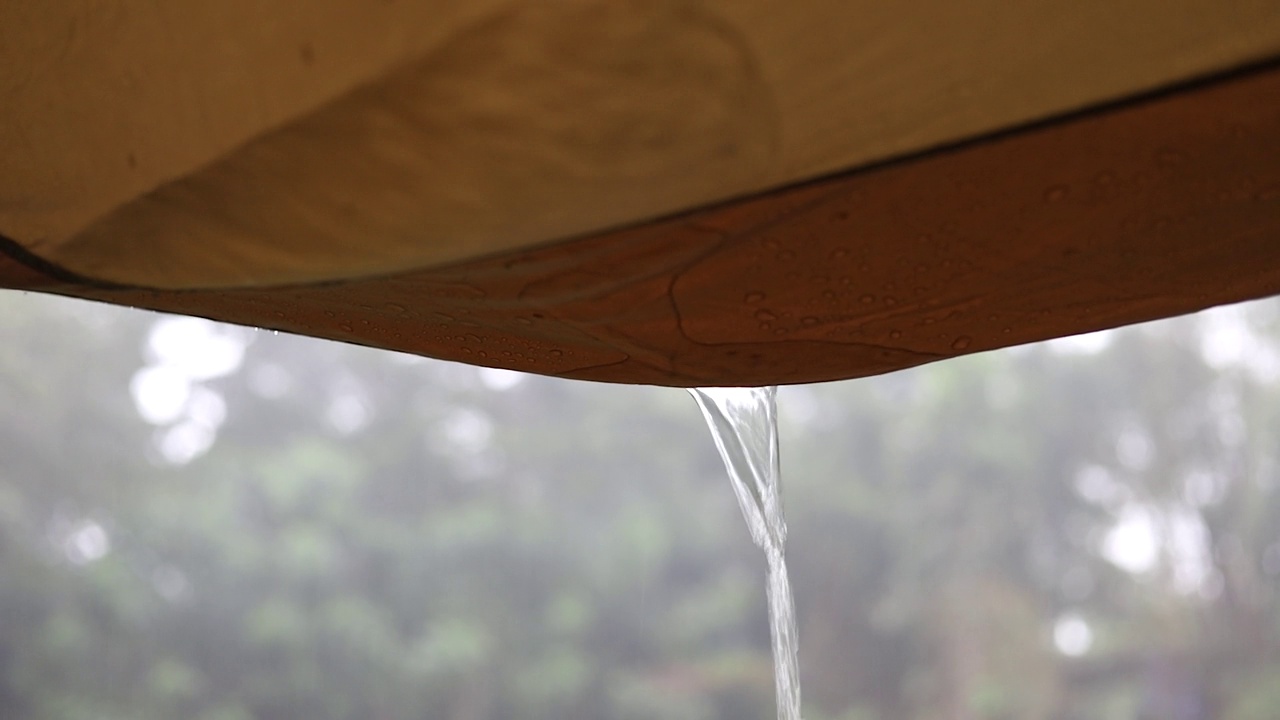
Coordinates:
[744,425]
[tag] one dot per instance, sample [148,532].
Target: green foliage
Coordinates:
[374,536]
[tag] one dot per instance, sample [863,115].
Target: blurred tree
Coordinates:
[221,524]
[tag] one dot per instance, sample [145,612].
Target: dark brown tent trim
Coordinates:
[1144,210]
[21,268]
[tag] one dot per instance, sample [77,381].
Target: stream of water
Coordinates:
[744,425]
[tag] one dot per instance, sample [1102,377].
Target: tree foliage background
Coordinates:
[209,522]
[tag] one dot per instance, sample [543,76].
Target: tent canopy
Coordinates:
[657,191]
